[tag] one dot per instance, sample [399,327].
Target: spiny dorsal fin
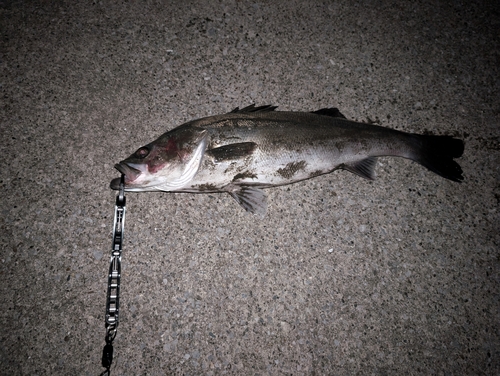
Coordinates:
[333,112]
[252,108]
[364,168]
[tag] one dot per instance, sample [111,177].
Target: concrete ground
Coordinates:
[342,276]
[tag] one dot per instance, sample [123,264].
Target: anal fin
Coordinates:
[252,199]
[364,168]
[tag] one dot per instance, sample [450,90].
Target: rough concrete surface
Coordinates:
[342,276]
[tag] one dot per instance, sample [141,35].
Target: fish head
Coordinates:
[166,164]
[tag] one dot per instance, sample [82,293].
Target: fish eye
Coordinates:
[142,152]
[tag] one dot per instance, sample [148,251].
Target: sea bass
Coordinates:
[249,149]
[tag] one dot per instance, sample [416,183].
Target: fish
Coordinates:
[248,150]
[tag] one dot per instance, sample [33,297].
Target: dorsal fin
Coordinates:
[333,112]
[252,108]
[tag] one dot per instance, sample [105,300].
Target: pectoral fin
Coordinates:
[364,168]
[232,151]
[252,199]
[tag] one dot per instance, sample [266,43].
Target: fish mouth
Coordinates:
[131,174]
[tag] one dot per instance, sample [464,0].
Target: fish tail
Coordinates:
[436,153]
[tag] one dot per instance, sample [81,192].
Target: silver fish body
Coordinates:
[246,150]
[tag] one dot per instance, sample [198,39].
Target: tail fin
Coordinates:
[437,153]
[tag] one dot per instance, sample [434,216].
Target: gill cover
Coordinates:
[166,164]
[191,163]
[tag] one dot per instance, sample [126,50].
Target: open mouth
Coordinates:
[131,173]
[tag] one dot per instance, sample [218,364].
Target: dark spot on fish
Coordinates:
[316,173]
[244,175]
[291,169]
[207,187]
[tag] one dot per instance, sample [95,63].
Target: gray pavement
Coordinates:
[342,276]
